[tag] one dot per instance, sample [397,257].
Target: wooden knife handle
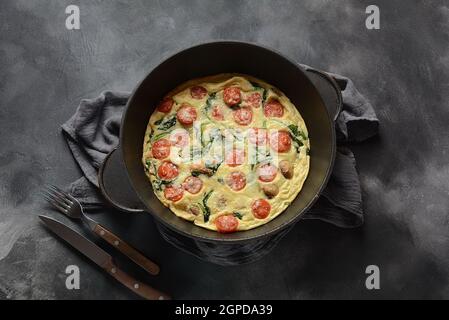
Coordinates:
[127,250]
[138,287]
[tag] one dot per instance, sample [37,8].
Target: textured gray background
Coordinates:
[402,69]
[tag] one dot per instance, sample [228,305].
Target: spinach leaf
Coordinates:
[209,105]
[298,143]
[209,102]
[150,135]
[237,215]
[158,183]
[295,130]
[295,134]
[213,166]
[204,207]
[158,122]
[195,173]
[167,123]
[264,95]
[151,167]
[147,165]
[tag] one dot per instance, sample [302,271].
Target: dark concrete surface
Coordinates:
[402,68]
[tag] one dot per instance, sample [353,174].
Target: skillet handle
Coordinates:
[115,186]
[329,89]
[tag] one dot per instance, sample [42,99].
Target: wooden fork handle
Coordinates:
[127,250]
[139,288]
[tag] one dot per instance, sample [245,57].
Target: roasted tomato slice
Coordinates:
[236,180]
[254,99]
[161,149]
[243,116]
[193,184]
[232,96]
[226,223]
[167,170]
[174,193]
[186,114]
[198,92]
[165,105]
[261,208]
[273,108]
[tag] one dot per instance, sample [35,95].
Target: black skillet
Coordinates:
[294,80]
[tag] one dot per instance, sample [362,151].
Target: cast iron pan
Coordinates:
[227,57]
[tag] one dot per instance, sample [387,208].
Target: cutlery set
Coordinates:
[70,207]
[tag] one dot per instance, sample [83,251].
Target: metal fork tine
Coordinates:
[55,204]
[58,197]
[60,193]
[57,200]
[68,196]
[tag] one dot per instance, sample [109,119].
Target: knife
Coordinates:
[101,258]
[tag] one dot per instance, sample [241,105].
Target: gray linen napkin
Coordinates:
[92,132]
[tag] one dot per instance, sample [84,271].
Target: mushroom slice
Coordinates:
[286,169]
[271,190]
[194,209]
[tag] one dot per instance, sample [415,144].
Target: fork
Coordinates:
[71,207]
